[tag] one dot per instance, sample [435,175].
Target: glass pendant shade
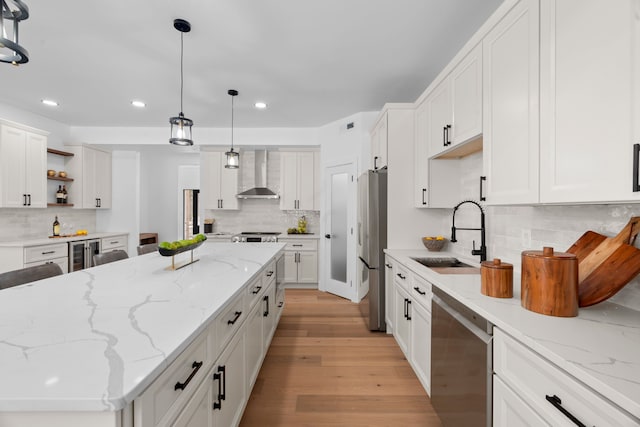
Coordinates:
[233,159]
[181,130]
[10,49]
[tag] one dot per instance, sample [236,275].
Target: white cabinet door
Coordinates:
[389,294]
[589,55]
[231,368]
[35,169]
[439,111]
[228,187]
[308,267]
[306,181]
[509,410]
[421,156]
[511,113]
[255,344]
[420,344]
[218,185]
[298,172]
[288,180]
[466,97]
[198,411]
[401,330]
[379,143]
[103,176]
[290,267]
[269,313]
[89,162]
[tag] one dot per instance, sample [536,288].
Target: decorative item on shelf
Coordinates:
[180,125]
[233,157]
[208,225]
[64,194]
[59,195]
[51,172]
[180,246]
[434,244]
[16,54]
[56,227]
[62,174]
[550,282]
[496,279]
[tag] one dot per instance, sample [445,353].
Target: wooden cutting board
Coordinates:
[606,264]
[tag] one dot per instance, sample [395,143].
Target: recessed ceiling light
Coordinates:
[49,102]
[260,105]
[138,104]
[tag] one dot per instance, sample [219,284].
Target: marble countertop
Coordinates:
[54,240]
[600,347]
[94,339]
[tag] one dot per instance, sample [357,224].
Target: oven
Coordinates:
[255,237]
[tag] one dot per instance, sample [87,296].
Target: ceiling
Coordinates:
[312,62]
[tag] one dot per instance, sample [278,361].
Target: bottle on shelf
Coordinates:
[56,227]
[59,195]
[64,194]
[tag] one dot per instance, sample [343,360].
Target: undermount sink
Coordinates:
[435,262]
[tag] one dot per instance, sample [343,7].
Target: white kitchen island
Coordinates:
[80,348]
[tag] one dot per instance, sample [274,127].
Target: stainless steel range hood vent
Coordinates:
[260,190]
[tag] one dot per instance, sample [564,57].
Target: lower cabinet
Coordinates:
[300,260]
[389,294]
[115,243]
[255,344]
[420,344]
[197,412]
[403,318]
[509,410]
[229,384]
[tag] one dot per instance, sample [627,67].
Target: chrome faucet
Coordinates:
[483,248]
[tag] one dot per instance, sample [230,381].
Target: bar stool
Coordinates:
[29,274]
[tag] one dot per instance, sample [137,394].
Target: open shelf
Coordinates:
[57,178]
[62,205]
[60,153]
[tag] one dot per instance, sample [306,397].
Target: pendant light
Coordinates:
[16,54]
[181,126]
[233,157]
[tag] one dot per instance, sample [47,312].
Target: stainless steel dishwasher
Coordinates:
[461,363]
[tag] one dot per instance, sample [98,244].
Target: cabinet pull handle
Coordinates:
[408,313]
[557,403]
[266,299]
[256,289]
[444,136]
[29,196]
[269,273]
[196,367]
[218,377]
[297,246]
[636,165]
[235,319]
[280,304]
[48,252]
[424,196]
[401,276]
[420,291]
[375,162]
[388,265]
[24,200]
[448,140]
[223,371]
[482,198]
[405,308]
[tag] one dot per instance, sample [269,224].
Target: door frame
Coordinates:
[325,262]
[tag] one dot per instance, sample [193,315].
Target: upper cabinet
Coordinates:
[511,110]
[380,142]
[23,167]
[298,172]
[92,169]
[590,83]
[454,107]
[219,185]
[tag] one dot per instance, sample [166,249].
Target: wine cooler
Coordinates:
[81,254]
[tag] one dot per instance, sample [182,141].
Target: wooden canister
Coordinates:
[550,282]
[497,278]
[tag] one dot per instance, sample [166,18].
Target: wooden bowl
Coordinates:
[62,174]
[51,172]
[432,244]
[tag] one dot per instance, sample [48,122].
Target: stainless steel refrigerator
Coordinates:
[372,239]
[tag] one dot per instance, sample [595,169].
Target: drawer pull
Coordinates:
[280,304]
[388,265]
[196,367]
[113,243]
[217,376]
[256,290]
[269,273]
[401,276]
[555,401]
[418,290]
[235,319]
[297,246]
[48,252]
[266,299]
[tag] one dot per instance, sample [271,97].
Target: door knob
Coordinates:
[328,236]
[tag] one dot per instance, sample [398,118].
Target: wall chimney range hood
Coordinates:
[259,190]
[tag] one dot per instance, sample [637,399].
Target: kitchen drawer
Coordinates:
[269,273]
[230,321]
[300,245]
[421,292]
[45,252]
[255,289]
[279,303]
[114,243]
[63,262]
[166,396]
[401,276]
[534,378]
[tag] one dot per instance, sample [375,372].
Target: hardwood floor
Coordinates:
[324,368]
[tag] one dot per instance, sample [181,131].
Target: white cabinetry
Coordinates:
[300,260]
[509,410]
[511,111]
[219,185]
[389,294]
[23,167]
[17,257]
[379,142]
[548,391]
[590,52]
[229,378]
[114,243]
[298,172]
[91,169]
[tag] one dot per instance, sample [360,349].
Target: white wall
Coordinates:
[124,214]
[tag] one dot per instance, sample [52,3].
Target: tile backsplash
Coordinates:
[22,224]
[513,229]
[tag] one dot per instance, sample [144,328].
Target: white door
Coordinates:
[339,246]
